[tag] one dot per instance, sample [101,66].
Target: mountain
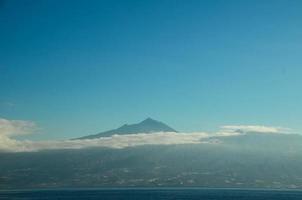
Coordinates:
[147,126]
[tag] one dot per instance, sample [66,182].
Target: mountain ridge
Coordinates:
[148,125]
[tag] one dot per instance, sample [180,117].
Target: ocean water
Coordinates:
[150,194]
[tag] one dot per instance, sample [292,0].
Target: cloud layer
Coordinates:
[10,128]
[16,127]
[116,141]
[255,129]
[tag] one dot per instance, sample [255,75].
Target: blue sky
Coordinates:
[81,67]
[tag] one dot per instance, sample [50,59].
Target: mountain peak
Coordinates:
[148,125]
[149,120]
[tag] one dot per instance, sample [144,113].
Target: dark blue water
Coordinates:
[148,194]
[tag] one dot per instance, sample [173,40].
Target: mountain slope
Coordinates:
[245,161]
[147,126]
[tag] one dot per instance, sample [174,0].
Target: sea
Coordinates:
[152,194]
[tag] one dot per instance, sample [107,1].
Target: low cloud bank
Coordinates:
[255,129]
[116,141]
[11,128]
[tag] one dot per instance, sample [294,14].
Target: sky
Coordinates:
[80,67]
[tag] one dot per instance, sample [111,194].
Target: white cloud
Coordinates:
[116,141]
[10,128]
[16,127]
[256,129]
[7,144]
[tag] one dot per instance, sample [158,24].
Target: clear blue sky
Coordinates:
[80,67]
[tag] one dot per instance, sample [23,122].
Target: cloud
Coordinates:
[10,128]
[15,127]
[8,144]
[115,141]
[255,129]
